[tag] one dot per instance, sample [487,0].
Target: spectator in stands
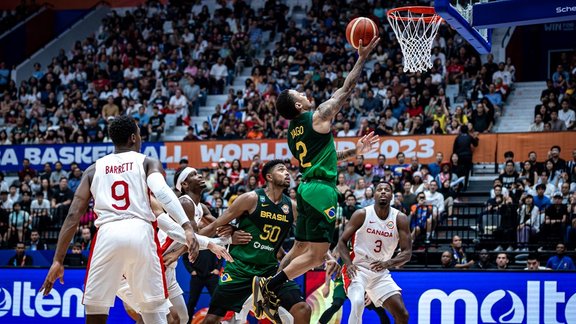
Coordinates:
[351,177]
[350,207]
[528,172]
[74,180]
[483,261]
[533,264]
[502,261]
[179,104]
[218,75]
[567,115]
[346,131]
[85,240]
[378,170]
[35,242]
[556,123]
[560,261]
[537,125]
[40,210]
[529,220]
[4,184]
[549,188]
[57,174]
[481,119]
[61,199]
[26,170]
[75,258]
[555,220]
[559,163]
[156,126]
[13,193]
[20,259]
[435,199]
[435,166]
[421,218]
[509,176]
[5,202]
[541,201]
[398,169]
[463,148]
[18,222]
[110,109]
[447,260]
[459,255]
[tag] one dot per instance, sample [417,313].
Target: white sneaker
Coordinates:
[498,248]
[509,249]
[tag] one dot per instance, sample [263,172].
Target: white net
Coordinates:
[415,33]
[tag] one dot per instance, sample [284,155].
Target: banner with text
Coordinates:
[470,297]
[203,154]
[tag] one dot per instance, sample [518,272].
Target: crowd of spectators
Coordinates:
[556,110]
[533,202]
[159,63]
[10,18]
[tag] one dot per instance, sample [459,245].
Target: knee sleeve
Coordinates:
[96,310]
[180,306]
[154,318]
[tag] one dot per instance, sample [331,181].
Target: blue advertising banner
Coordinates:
[11,156]
[467,297]
[430,296]
[21,301]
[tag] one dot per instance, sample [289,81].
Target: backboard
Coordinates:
[474,21]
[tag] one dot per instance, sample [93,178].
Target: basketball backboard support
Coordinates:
[475,25]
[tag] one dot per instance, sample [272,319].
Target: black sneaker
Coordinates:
[259,300]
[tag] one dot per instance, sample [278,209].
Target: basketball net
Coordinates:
[415,29]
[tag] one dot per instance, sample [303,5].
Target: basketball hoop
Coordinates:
[415,28]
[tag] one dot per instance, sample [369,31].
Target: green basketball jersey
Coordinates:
[269,225]
[316,152]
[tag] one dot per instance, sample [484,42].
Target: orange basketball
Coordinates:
[361,28]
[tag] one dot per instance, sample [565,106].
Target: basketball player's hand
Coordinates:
[220,252]
[367,144]
[364,51]
[192,242]
[378,266]
[56,271]
[332,267]
[240,237]
[351,271]
[173,256]
[225,230]
[367,300]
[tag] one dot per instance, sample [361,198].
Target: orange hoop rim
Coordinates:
[423,10]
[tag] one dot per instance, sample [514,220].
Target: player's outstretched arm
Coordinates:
[405,244]
[77,209]
[244,203]
[157,184]
[352,226]
[322,118]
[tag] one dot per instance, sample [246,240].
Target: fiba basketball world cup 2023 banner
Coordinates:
[204,153]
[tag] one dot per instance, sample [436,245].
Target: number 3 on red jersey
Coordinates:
[123,196]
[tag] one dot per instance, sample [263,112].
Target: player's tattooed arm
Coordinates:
[344,154]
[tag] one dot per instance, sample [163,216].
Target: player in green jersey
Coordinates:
[310,141]
[267,214]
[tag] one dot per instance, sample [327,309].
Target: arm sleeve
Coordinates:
[176,232]
[166,197]
[222,240]
[166,224]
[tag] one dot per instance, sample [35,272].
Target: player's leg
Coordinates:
[230,295]
[96,314]
[291,299]
[145,275]
[179,309]
[356,296]
[384,292]
[196,286]
[104,275]
[395,305]
[297,249]
[333,309]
